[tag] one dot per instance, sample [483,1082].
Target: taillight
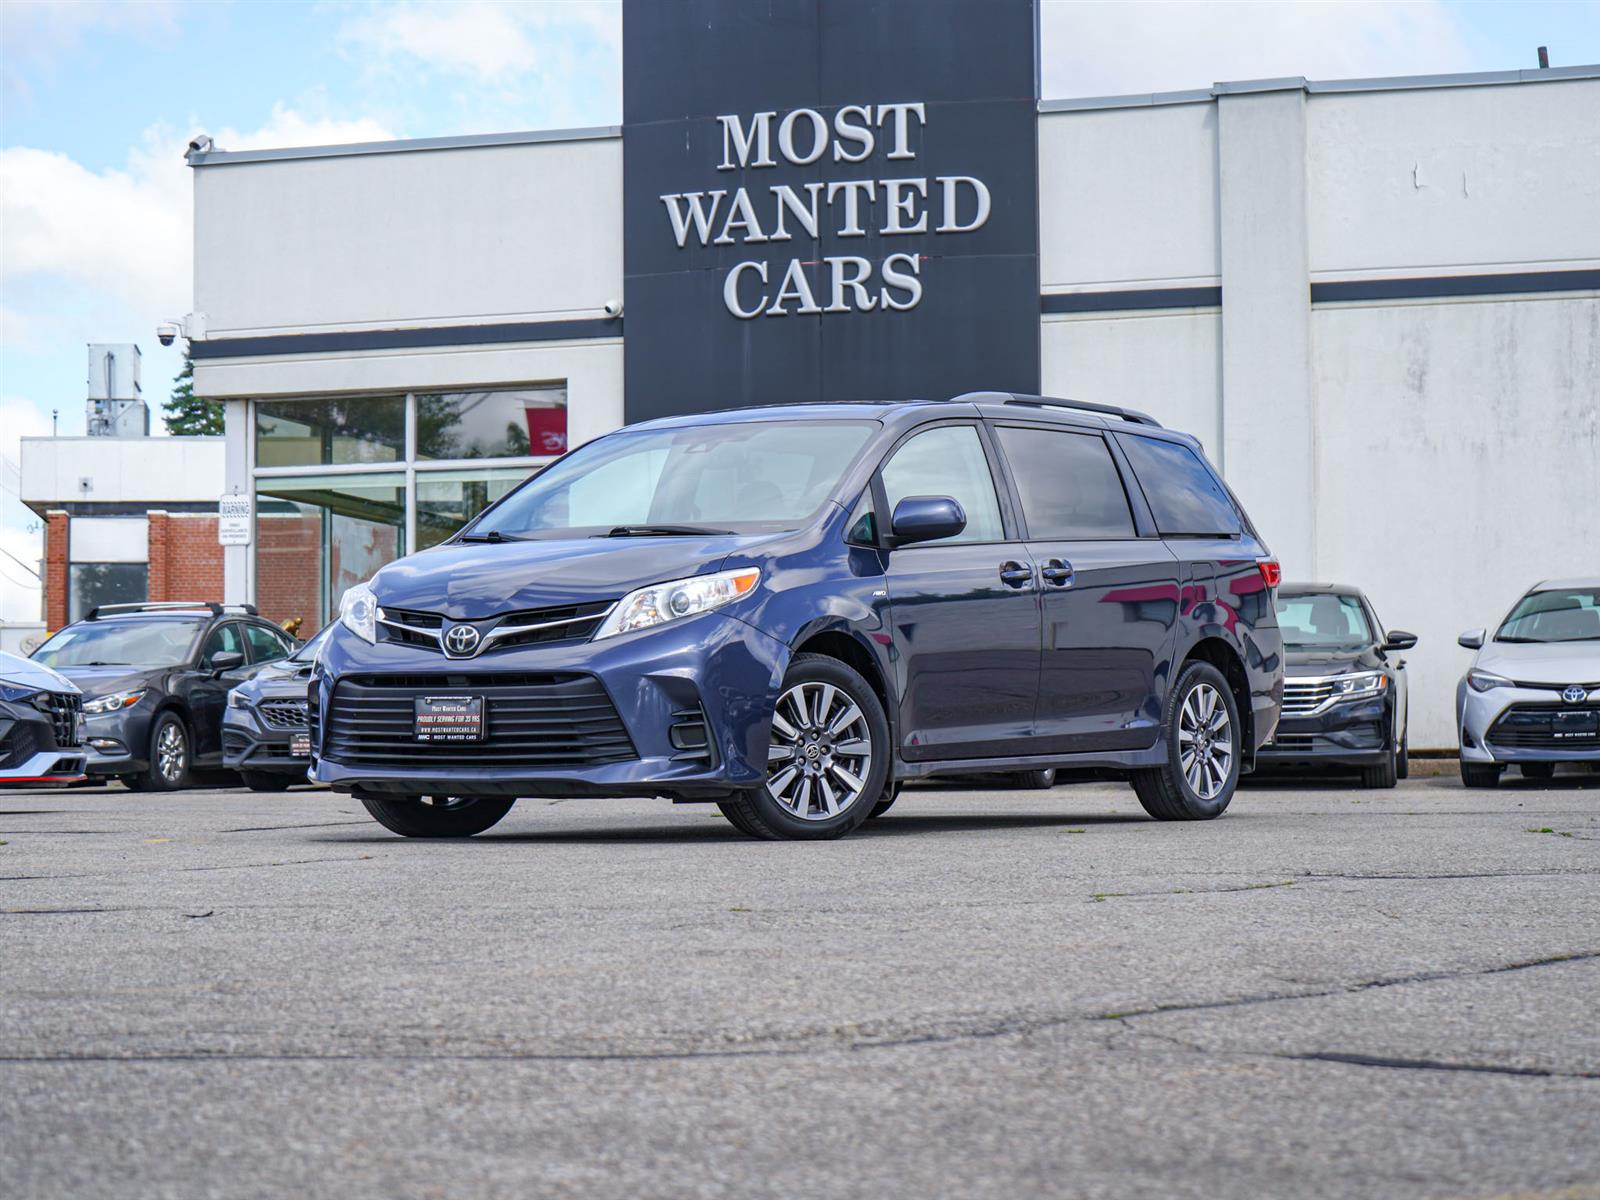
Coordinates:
[1271,572]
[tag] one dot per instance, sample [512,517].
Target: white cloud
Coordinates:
[491,42]
[1090,47]
[39,33]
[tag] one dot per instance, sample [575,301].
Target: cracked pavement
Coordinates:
[987,993]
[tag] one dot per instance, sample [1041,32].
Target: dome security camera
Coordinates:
[167,332]
[613,308]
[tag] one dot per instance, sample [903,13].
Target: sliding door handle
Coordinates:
[1057,573]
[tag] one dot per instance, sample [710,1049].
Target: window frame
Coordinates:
[1245,528]
[279,635]
[1140,521]
[1009,527]
[201,654]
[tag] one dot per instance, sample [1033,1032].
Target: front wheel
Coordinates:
[1038,780]
[1203,740]
[1402,764]
[169,755]
[828,757]
[436,816]
[1479,775]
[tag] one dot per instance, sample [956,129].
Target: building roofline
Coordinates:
[1324,87]
[223,158]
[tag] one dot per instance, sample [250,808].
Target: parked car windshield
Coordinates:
[739,477]
[162,643]
[1560,615]
[1322,620]
[308,650]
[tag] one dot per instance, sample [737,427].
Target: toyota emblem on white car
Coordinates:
[1575,694]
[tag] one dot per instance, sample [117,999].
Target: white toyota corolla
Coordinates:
[1532,695]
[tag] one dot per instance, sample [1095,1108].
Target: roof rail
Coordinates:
[1108,410]
[216,609]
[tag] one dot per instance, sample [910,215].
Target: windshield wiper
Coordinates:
[494,535]
[99,663]
[662,531]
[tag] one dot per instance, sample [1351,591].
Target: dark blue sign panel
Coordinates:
[828,200]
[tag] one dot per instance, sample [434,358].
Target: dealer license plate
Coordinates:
[300,745]
[449,718]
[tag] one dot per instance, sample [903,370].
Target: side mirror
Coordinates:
[1472,639]
[1399,639]
[226,661]
[926,519]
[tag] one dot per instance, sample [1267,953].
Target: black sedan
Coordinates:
[155,679]
[1344,686]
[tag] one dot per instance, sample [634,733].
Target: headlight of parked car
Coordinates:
[358,612]
[1485,681]
[236,699]
[1359,687]
[113,702]
[11,691]
[664,602]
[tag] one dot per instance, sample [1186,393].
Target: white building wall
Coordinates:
[152,470]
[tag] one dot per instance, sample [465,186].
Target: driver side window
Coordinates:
[224,639]
[948,461]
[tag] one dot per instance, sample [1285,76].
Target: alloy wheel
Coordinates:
[1205,741]
[172,752]
[821,752]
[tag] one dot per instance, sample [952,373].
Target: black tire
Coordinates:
[758,813]
[266,781]
[168,773]
[410,817]
[891,793]
[135,783]
[1383,775]
[1165,791]
[1402,763]
[1043,778]
[1538,770]
[1480,775]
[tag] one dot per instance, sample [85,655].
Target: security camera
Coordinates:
[167,332]
[613,308]
[202,144]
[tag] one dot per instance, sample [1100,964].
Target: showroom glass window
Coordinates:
[92,584]
[346,484]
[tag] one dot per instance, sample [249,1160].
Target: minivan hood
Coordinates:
[1542,662]
[472,580]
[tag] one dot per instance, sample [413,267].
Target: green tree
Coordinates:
[186,414]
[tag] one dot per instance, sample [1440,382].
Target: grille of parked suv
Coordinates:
[283,714]
[64,710]
[525,627]
[1303,699]
[538,721]
[1547,727]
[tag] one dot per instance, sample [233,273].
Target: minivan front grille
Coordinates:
[1303,698]
[535,721]
[525,627]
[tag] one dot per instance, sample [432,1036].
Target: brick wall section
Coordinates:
[288,568]
[55,570]
[185,559]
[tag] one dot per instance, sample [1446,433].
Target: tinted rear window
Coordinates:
[1184,496]
[1069,485]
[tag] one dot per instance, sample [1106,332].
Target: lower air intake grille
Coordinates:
[1548,727]
[537,721]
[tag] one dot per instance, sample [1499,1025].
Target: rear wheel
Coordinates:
[437,816]
[828,759]
[266,781]
[1479,775]
[1043,778]
[1203,739]
[1538,770]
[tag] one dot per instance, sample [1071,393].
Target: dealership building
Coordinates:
[1376,301]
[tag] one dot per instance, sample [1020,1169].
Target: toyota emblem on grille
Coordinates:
[1575,694]
[461,641]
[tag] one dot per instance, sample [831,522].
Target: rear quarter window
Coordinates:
[1184,496]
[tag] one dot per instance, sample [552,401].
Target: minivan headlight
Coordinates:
[112,703]
[663,602]
[1485,681]
[358,612]
[1360,686]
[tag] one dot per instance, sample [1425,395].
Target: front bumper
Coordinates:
[713,665]
[1354,734]
[118,743]
[1494,726]
[29,751]
[250,745]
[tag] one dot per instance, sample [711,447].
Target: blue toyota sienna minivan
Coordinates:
[789,611]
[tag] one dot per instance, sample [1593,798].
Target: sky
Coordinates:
[98,99]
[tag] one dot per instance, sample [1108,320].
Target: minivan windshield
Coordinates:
[738,477]
[163,642]
[1322,620]
[1559,615]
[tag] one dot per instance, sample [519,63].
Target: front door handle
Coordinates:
[1057,573]
[1014,574]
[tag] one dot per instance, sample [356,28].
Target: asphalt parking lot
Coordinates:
[1328,992]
